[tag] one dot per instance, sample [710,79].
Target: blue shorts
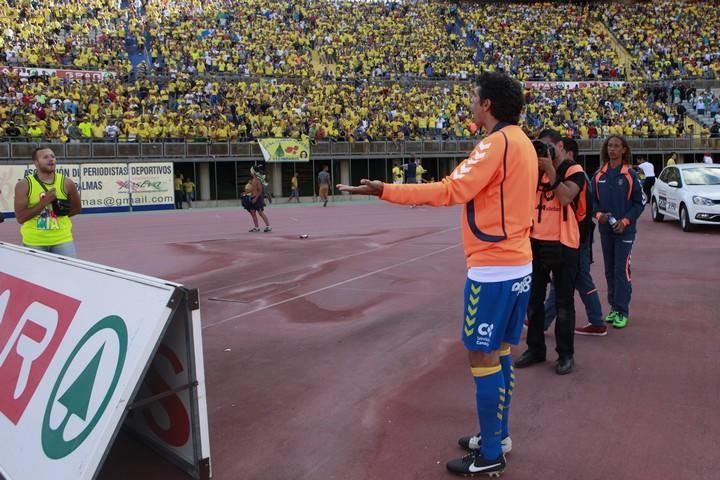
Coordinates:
[494,313]
[247,203]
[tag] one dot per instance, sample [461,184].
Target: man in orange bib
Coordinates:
[555,239]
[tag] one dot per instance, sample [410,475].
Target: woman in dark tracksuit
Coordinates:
[618,205]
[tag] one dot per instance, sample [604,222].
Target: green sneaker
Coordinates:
[620,321]
[611,317]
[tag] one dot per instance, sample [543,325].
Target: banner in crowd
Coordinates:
[104,187]
[571,85]
[81,75]
[285,149]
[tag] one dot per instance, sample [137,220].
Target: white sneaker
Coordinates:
[254,229]
[267,229]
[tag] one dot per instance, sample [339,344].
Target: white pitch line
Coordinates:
[326,261]
[327,287]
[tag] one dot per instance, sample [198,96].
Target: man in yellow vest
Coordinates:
[44,203]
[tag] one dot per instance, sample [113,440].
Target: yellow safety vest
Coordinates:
[46,229]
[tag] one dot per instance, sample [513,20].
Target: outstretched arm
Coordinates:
[469,178]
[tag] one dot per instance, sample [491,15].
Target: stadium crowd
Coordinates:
[55,33]
[668,38]
[193,109]
[275,39]
[313,70]
[541,42]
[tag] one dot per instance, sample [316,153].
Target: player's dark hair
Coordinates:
[505,94]
[571,146]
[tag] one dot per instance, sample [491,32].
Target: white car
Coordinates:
[689,192]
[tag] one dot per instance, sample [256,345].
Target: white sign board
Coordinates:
[9,176]
[163,411]
[75,341]
[104,187]
[153,186]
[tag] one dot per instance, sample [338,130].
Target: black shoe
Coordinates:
[564,365]
[474,465]
[528,358]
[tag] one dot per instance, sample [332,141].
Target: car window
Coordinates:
[664,175]
[674,176]
[702,176]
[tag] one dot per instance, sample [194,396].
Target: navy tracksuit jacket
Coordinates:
[618,191]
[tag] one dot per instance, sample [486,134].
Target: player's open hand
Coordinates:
[366,187]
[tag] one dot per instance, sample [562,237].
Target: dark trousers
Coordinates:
[562,262]
[179,197]
[647,186]
[616,255]
[585,286]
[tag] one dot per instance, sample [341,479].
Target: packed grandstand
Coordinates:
[230,70]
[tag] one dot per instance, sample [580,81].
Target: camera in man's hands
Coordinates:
[61,208]
[544,149]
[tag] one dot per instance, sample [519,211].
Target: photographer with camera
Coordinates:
[585,285]
[555,239]
[44,203]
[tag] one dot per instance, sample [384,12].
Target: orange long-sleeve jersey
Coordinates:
[497,184]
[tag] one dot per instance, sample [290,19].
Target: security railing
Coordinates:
[103,150]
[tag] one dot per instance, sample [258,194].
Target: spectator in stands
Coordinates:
[12,131]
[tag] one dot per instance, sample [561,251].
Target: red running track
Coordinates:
[345,360]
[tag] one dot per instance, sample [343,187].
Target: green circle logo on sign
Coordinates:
[76,398]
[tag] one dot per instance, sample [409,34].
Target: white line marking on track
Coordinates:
[215,290]
[327,287]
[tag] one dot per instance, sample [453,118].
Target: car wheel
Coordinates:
[655,211]
[685,219]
